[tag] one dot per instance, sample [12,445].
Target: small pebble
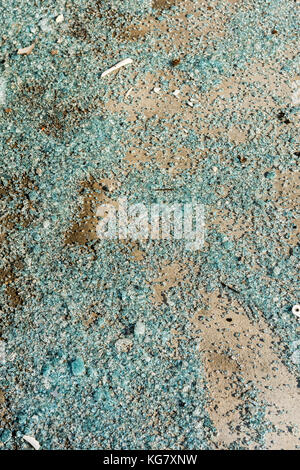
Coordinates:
[26,50]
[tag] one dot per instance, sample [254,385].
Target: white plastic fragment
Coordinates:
[176,93]
[26,50]
[117,66]
[296,310]
[139,329]
[157,90]
[2,91]
[32,441]
[59,19]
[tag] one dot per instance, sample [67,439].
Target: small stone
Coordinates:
[77,366]
[26,50]
[175,62]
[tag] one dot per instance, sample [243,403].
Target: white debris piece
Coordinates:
[296,93]
[123,345]
[59,19]
[128,92]
[117,66]
[176,93]
[2,353]
[139,329]
[32,441]
[296,310]
[191,102]
[296,357]
[26,50]
[45,26]
[157,90]
[2,91]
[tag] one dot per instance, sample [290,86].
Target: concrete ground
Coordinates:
[217,363]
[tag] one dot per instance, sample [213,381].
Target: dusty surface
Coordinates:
[218,139]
